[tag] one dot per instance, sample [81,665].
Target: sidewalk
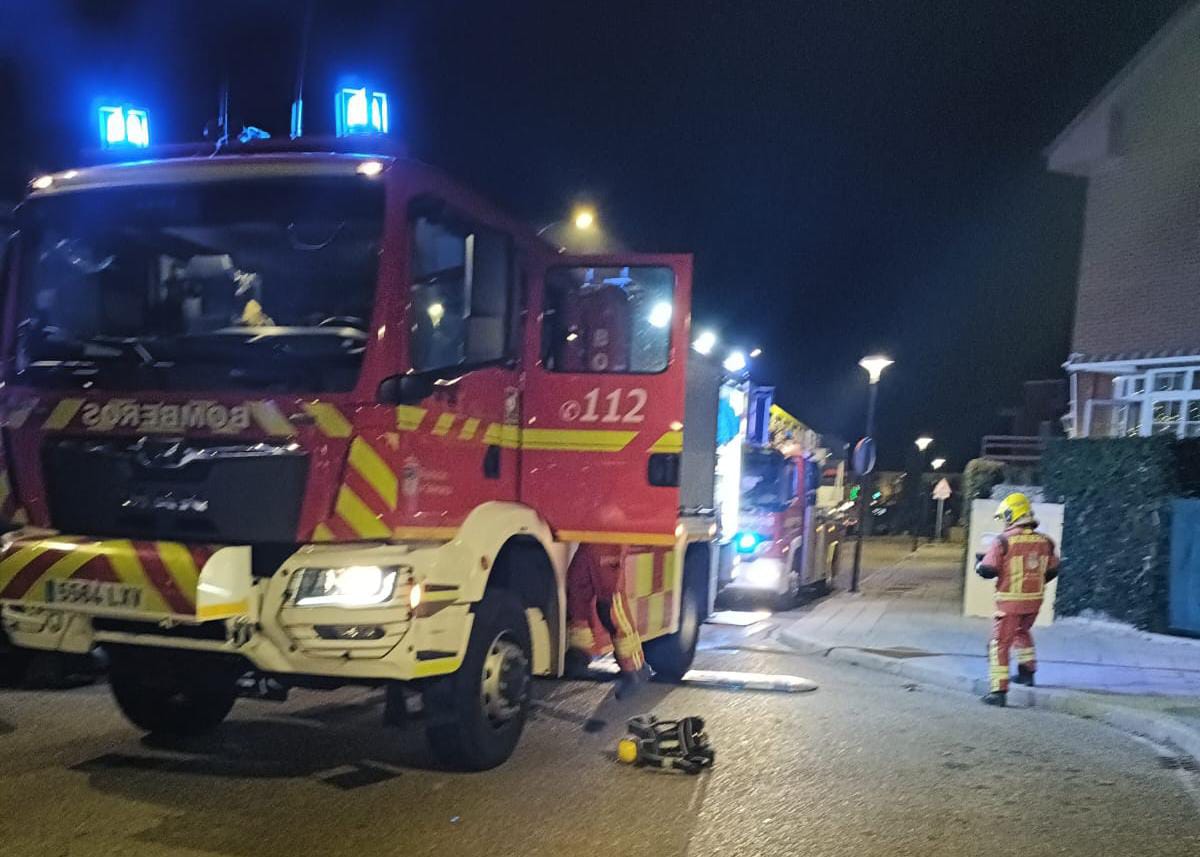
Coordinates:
[907,620]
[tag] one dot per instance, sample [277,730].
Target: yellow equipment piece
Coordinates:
[627,751]
[1015,509]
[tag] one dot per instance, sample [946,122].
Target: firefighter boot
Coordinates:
[1024,676]
[576,664]
[629,683]
[996,697]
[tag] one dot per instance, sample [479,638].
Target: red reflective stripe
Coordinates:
[27,576]
[97,568]
[659,557]
[162,580]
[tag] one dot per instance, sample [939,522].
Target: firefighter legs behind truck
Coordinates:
[1011,630]
[595,579]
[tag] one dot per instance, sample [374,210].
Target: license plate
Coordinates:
[94,593]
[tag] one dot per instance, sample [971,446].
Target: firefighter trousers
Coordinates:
[1010,630]
[596,580]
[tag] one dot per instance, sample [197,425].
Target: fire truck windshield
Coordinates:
[768,479]
[265,284]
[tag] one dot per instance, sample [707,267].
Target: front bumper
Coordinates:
[261,623]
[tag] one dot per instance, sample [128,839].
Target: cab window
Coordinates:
[614,319]
[463,287]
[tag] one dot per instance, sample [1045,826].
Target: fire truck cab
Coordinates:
[332,418]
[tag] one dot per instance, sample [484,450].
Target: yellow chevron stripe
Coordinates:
[469,428]
[322,533]
[644,574]
[672,441]
[60,569]
[604,537]
[409,418]
[375,470]
[499,434]
[576,440]
[655,615]
[271,420]
[123,558]
[443,424]
[62,414]
[358,516]
[181,566]
[12,564]
[329,419]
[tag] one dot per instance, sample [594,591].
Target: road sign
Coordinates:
[941,491]
[864,456]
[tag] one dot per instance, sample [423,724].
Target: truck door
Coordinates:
[604,396]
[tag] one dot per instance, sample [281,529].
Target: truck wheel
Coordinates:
[160,697]
[477,713]
[671,656]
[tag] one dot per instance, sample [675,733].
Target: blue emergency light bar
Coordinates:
[361,111]
[122,127]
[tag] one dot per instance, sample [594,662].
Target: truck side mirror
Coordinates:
[404,389]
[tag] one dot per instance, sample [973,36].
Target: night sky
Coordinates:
[850,176]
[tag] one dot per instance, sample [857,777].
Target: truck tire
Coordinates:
[476,714]
[163,698]
[671,656]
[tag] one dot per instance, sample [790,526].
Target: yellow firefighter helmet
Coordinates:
[1015,509]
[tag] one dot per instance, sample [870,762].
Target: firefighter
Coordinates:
[596,582]
[1021,561]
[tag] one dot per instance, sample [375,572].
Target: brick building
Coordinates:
[1135,361]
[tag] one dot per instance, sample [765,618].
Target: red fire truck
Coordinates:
[332,418]
[778,541]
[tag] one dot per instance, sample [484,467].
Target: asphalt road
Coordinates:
[863,766]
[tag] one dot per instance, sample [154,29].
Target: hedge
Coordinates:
[1116,522]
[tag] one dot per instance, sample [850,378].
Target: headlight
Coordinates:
[353,586]
[764,571]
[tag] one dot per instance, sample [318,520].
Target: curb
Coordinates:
[1160,728]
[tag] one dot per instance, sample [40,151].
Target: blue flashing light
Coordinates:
[361,111]
[124,127]
[746,542]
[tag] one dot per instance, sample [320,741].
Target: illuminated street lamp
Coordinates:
[922,443]
[874,364]
[735,362]
[585,218]
[938,463]
[755,353]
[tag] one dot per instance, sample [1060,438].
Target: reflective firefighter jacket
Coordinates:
[1022,562]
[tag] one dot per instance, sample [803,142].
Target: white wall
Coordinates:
[978,593]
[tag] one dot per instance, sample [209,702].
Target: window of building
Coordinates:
[463,291]
[1165,382]
[614,319]
[1166,416]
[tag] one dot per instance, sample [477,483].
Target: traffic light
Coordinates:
[854,492]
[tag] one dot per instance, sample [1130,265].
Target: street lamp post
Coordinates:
[938,464]
[922,444]
[874,365]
